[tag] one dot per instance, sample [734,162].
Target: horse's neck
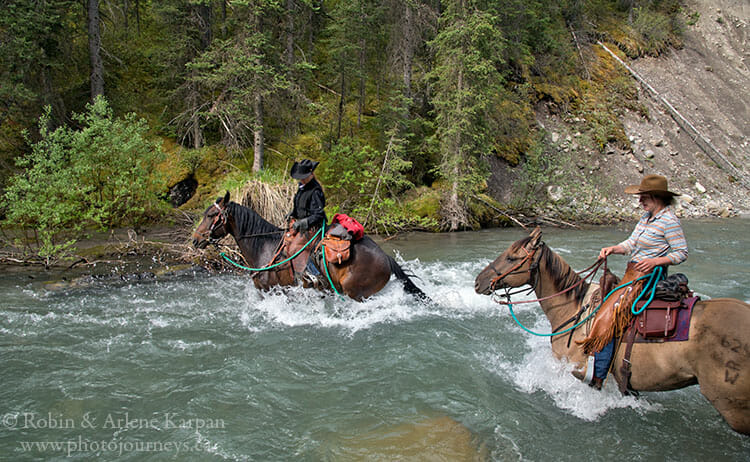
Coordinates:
[255,237]
[556,276]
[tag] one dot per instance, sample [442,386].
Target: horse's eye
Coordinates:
[511,258]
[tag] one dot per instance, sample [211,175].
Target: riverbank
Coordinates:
[164,248]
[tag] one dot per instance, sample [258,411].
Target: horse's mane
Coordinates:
[563,276]
[249,223]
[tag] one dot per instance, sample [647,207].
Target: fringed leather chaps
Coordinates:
[614,315]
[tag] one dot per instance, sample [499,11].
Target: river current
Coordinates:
[208,368]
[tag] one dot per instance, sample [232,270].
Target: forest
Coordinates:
[107,104]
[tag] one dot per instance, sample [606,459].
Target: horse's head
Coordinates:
[512,268]
[214,223]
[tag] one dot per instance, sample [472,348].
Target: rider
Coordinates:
[309,201]
[657,240]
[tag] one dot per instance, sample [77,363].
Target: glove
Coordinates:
[300,225]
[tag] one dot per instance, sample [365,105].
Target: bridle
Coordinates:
[533,281]
[533,267]
[219,221]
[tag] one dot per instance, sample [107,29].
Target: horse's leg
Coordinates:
[722,360]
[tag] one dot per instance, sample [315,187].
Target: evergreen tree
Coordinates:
[468,49]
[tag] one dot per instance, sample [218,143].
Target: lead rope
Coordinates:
[325,267]
[513,314]
[266,268]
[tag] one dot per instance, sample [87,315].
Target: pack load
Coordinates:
[353,228]
[339,236]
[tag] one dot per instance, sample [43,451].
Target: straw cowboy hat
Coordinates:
[303,169]
[651,184]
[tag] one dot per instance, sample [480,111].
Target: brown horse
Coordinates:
[366,272]
[716,357]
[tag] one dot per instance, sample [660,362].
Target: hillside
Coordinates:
[706,81]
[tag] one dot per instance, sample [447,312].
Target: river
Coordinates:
[207,368]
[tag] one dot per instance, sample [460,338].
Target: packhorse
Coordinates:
[716,356]
[366,271]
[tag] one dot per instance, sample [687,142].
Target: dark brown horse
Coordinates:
[716,357]
[365,273]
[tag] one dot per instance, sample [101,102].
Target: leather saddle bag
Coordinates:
[659,319]
[337,250]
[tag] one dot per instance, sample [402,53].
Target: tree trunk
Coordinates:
[258,134]
[204,13]
[126,12]
[455,211]
[362,59]
[408,48]
[257,107]
[224,19]
[289,53]
[341,105]
[95,46]
[138,16]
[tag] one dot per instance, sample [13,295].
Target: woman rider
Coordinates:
[657,240]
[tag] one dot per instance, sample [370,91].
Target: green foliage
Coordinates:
[99,175]
[539,170]
[655,28]
[693,18]
[392,96]
[469,50]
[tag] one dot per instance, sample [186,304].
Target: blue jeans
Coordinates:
[602,360]
[311,268]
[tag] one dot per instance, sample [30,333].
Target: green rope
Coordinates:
[223,255]
[325,267]
[510,306]
[654,278]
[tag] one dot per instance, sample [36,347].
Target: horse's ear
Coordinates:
[536,237]
[225,200]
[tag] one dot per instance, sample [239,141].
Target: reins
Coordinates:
[653,278]
[275,265]
[535,266]
[320,232]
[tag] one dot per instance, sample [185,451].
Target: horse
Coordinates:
[716,357]
[364,274]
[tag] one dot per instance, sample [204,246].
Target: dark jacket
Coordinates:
[309,202]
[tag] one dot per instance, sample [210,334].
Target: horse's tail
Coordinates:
[409,286]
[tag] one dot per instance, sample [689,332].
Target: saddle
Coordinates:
[665,319]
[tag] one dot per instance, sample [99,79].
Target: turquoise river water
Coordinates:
[208,368]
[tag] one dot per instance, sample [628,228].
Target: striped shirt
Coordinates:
[657,236]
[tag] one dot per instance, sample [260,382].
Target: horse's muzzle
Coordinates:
[200,243]
[482,287]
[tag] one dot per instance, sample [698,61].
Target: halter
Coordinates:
[532,266]
[219,220]
[534,281]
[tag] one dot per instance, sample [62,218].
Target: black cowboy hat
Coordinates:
[303,169]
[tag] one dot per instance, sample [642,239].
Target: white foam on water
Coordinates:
[539,370]
[190,346]
[450,288]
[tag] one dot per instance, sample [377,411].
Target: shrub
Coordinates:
[101,174]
